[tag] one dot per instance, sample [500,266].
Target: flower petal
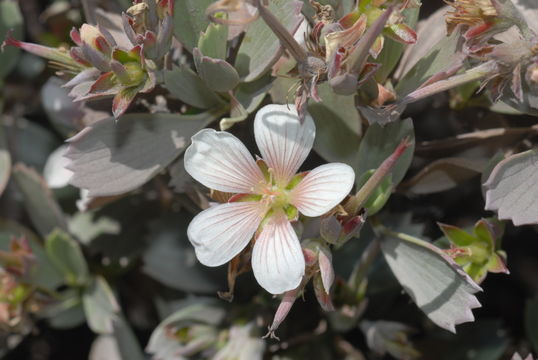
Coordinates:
[283,141]
[277,259]
[221,162]
[222,231]
[322,189]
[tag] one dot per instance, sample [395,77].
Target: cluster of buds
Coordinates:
[490,35]
[101,66]
[18,297]
[477,252]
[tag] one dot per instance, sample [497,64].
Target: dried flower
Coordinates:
[269,195]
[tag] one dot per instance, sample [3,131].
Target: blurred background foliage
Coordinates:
[123,266]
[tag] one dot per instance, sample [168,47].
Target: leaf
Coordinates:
[5,161]
[10,19]
[22,132]
[531,322]
[338,126]
[379,143]
[65,253]
[213,41]
[187,86]
[39,201]
[66,314]
[439,287]
[110,158]
[429,33]
[190,20]
[126,341]
[171,260]
[62,112]
[260,47]
[512,189]
[437,53]
[217,74]
[101,307]
[443,174]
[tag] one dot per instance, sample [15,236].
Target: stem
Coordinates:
[473,74]
[89,11]
[286,39]
[361,269]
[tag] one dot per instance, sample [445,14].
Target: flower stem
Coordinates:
[472,74]
[361,269]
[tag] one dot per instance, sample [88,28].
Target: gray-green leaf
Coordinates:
[190,20]
[512,188]
[186,85]
[439,287]
[66,255]
[110,157]
[380,142]
[39,201]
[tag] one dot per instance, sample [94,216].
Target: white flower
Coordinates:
[273,195]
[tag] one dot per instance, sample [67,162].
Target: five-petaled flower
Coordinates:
[270,195]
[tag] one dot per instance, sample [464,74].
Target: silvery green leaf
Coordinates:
[190,20]
[429,33]
[66,314]
[217,74]
[39,201]
[260,47]
[444,174]
[66,255]
[170,254]
[439,287]
[441,57]
[101,307]
[21,132]
[213,42]
[251,94]
[379,143]
[10,19]
[186,85]
[59,106]
[338,126]
[512,189]
[110,157]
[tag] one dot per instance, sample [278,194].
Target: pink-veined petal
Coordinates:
[222,231]
[283,141]
[277,259]
[220,161]
[322,189]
